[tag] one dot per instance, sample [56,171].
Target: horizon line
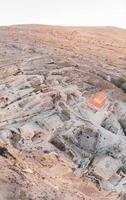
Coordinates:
[65,26]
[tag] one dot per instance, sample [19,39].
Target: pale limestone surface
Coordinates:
[52,144]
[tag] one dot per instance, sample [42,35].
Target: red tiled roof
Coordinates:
[98,101]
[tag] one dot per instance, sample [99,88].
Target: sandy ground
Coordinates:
[53,145]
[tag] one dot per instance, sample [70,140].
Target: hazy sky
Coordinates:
[64,12]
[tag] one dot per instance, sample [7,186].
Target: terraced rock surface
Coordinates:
[62,113]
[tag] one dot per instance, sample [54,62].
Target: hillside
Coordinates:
[62,113]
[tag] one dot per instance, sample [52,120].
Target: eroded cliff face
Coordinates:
[62,113]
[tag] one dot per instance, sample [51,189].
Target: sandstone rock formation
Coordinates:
[53,144]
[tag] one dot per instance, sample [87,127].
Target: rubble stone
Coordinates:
[62,113]
[29,130]
[106,166]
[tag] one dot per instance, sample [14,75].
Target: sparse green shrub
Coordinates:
[120,81]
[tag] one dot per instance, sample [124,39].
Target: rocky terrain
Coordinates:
[62,113]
